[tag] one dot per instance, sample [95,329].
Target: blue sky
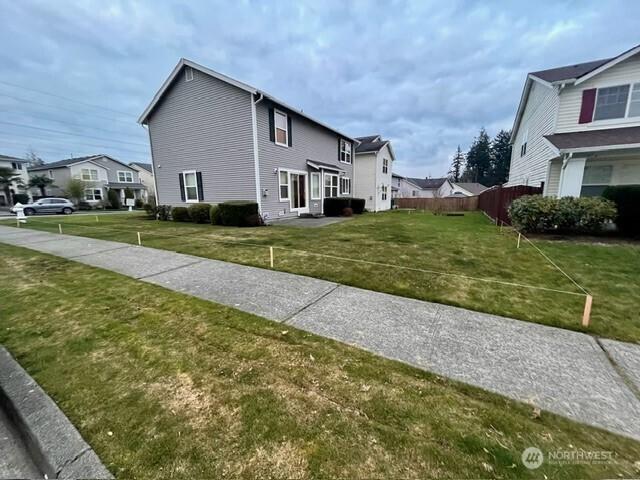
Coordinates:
[424,74]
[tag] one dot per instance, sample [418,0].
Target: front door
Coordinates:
[299,201]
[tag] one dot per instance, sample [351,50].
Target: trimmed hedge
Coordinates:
[334,206]
[240,213]
[214,215]
[114,199]
[180,214]
[163,212]
[199,212]
[627,200]
[535,213]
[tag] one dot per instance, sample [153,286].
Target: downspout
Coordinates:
[256,159]
[153,167]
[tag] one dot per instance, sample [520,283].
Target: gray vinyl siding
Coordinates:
[113,168]
[61,177]
[309,142]
[204,125]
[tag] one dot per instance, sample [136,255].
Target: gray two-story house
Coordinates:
[99,173]
[215,139]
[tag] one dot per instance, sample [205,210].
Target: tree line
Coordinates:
[486,162]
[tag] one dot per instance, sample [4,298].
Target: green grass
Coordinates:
[164,385]
[468,245]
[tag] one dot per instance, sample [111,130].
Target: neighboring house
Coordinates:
[577,128]
[19,167]
[466,189]
[372,172]
[408,187]
[100,172]
[145,173]
[215,139]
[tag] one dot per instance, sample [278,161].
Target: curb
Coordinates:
[55,445]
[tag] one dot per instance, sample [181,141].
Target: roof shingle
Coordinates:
[595,138]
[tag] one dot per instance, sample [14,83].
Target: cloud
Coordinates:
[425,74]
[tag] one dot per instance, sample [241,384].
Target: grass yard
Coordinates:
[468,245]
[163,385]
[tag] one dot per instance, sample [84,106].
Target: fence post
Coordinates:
[60,228]
[587,311]
[271,256]
[519,235]
[139,239]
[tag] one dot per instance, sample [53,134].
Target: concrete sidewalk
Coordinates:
[565,372]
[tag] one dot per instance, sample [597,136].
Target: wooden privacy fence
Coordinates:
[495,201]
[448,204]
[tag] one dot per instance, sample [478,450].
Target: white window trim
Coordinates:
[523,143]
[343,142]
[280,184]
[286,128]
[184,181]
[319,177]
[125,176]
[605,121]
[82,170]
[384,194]
[188,74]
[385,165]
[344,181]
[337,187]
[93,194]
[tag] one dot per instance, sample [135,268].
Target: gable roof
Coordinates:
[231,81]
[369,138]
[368,147]
[72,161]
[472,187]
[144,166]
[7,158]
[427,183]
[569,72]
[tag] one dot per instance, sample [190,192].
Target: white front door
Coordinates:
[299,193]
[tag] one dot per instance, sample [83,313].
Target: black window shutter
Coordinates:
[181,179]
[289,130]
[200,190]
[339,149]
[272,132]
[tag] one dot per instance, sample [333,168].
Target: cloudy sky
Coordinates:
[426,75]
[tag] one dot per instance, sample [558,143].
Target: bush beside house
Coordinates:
[535,213]
[336,206]
[180,214]
[627,200]
[200,212]
[239,213]
[114,199]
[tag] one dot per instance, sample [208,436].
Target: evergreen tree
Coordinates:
[500,158]
[457,166]
[478,167]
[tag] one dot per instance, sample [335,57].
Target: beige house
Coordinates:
[19,167]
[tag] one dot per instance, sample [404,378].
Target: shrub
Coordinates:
[22,198]
[180,214]
[138,204]
[237,213]
[627,200]
[199,212]
[357,205]
[535,213]
[114,199]
[150,209]
[163,212]
[214,215]
[254,220]
[84,206]
[347,212]
[333,206]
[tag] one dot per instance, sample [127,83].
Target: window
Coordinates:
[345,185]
[190,187]
[281,126]
[634,102]
[345,151]
[89,174]
[93,194]
[385,191]
[16,165]
[50,173]
[385,165]
[523,144]
[330,185]
[125,177]
[283,181]
[595,179]
[315,186]
[611,102]
[188,74]
[414,193]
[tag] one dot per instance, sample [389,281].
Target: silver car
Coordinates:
[48,205]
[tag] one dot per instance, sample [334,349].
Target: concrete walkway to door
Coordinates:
[565,372]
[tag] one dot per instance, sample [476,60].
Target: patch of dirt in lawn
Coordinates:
[284,460]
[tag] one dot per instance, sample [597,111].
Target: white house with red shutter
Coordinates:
[577,128]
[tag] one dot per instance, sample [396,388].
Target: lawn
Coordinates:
[468,245]
[165,385]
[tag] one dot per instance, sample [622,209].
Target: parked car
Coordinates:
[48,205]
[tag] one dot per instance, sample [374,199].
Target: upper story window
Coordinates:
[89,174]
[281,125]
[634,102]
[188,74]
[385,165]
[125,177]
[523,144]
[611,102]
[16,165]
[345,151]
